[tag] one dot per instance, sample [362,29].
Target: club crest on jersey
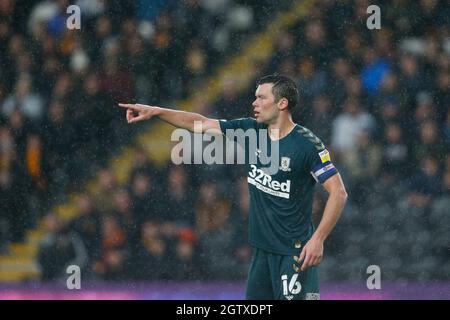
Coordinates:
[285,162]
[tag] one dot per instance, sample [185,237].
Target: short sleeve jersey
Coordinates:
[280,218]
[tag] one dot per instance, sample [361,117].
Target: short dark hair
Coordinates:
[283,87]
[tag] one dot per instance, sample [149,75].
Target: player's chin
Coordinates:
[259,119]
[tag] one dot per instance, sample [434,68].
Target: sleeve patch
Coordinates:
[324,156]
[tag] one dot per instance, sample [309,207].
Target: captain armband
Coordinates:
[323,171]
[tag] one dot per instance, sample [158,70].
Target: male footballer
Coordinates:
[286,247]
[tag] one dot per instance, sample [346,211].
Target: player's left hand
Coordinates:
[311,254]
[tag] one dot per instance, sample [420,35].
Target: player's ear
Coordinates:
[283,104]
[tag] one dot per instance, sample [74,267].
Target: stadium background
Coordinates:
[80,186]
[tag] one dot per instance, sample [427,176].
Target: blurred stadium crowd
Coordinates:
[379,100]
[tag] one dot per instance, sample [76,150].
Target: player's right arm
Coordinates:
[193,122]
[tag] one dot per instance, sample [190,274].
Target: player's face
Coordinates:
[265,110]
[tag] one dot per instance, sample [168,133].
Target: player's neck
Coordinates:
[281,128]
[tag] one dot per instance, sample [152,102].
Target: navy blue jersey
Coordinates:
[280,218]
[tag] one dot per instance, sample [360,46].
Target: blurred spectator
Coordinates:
[389,92]
[123,213]
[341,71]
[211,210]
[60,248]
[430,143]
[426,184]
[354,47]
[116,81]
[311,82]
[410,78]
[142,68]
[115,252]
[144,203]
[354,89]
[390,111]
[185,257]
[41,13]
[425,108]
[196,61]
[58,137]
[36,169]
[88,226]
[24,100]
[376,68]
[348,125]
[215,231]
[363,165]
[105,188]
[314,44]
[285,50]
[177,207]
[143,164]
[19,127]
[100,38]
[287,68]
[57,22]
[93,119]
[429,10]
[152,261]
[229,104]
[395,157]
[321,118]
